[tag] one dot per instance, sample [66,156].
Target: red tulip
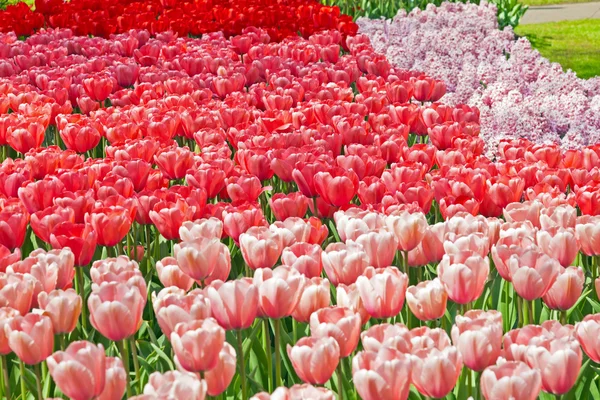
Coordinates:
[80,238]
[13,226]
[337,187]
[110,223]
[98,87]
[168,216]
[174,162]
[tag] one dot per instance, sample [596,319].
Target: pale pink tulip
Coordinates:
[314,359]
[170,274]
[559,243]
[379,246]
[63,307]
[6,315]
[172,306]
[425,338]
[348,296]
[396,336]
[587,333]
[30,337]
[533,273]
[219,378]
[297,392]
[427,300]
[463,276]
[479,341]
[558,360]
[304,257]
[526,211]
[384,375]
[475,242]
[174,385]
[566,290]
[234,303]
[344,263]
[512,380]
[564,216]
[197,344]
[198,259]
[16,291]
[339,323]
[588,234]
[279,290]
[211,228]
[408,228]
[261,247]
[435,372]
[115,380]
[316,295]
[382,291]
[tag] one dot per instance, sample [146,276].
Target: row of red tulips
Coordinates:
[280,19]
[202,159]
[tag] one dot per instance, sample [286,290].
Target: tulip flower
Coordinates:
[427,300]
[340,323]
[386,335]
[200,258]
[435,372]
[380,248]
[80,362]
[115,380]
[558,360]
[314,360]
[172,306]
[30,337]
[315,295]
[511,380]
[261,247]
[305,391]
[197,344]
[382,291]
[219,378]
[383,375]
[303,257]
[566,290]
[463,276]
[586,333]
[174,384]
[63,308]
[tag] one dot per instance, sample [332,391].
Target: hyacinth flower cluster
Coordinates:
[519,93]
[226,217]
[100,18]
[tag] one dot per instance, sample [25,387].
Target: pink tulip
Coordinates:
[65,260]
[81,362]
[396,336]
[172,306]
[294,230]
[119,269]
[234,303]
[344,263]
[425,338]
[564,216]
[382,291]
[479,341]
[533,273]
[566,290]
[380,248]
[339,323]
[279,290]
[475,242]
[587,333]
[433,250]
[588,234]
[384,375]
[526,211]
[427,300]
[408,228]
[463,224]
[16,291]
[348,296]
[351,224]
[435,372]
[463,276]
[516,342]
[313,359]
[261,247]
[304,257]
[30,337]
[116,310]
[198,259]
[197,344]
[297,392]
[63,308]
[219,378]
[211,228]
[115,380]
[559,243]
[170,274]
[174,385]
[316,295]
[6,316]
[511,381]
[558,360]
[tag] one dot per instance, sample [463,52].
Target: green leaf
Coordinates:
[163,356]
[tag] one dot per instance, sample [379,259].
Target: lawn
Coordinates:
[573,44]
[550,2]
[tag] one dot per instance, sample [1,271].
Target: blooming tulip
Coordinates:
[197,344]
[558,360]
[261,247]
[63,308]
[313,359]
[533,273]
[198,259]
[382,291]
[218,378]
[172,306]
[435,372]
[30,337]
[427,300]
[463,276]
[587,333]
[565,291]
[337,322]
[304,257]
[409,229]
[315,296]
[234,303]
[169,274]
[115,381]
[279,290]
[384,375]
[174,385]
[511,380]
[380,248]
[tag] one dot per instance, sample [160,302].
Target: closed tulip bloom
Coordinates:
[510,381]
[197,344]
[234,303]
[526,211]
[384,375]
[63,307]
[463,276]
[261,247]
[115,380]
[478,341]
[475,242]
[396,336]
[30,337]
[81,362]
[174,385]
[337,187]
[297,392]
[344,263]
[435,372]
[203,228]
[382,291]
[169,274]
[279,290]
[566,290]
[303,257]
[516,342]
[314,359]
[16,291]
[559,243]
[409,229]
[110,223]
[6,315]
[173,305]
[219,378]
[353,222]
[339,323]
[283,205]
[587,333]
[380,248]
[198,259]
[559,362]
[116,310]
[293,230]
[533,273]
[81,239]
[348,296]
[65,261]
[427,300]
[432,242]
[316,295]
[588,234]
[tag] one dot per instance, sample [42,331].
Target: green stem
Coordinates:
[125,358]
[22,379]
[520,311]
[563,317]
[6,377]
[61,338]
[340,381]
[136,363]
[242,364]
[81,288]
[295,330]
[469,378]
[38,381]
[277,325]
[526,315]
[267,345]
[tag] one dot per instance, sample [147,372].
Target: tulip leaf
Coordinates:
[163,356]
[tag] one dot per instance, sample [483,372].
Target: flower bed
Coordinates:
[519,93]
[279,202]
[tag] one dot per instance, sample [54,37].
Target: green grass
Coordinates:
[573,44]
[550,2]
